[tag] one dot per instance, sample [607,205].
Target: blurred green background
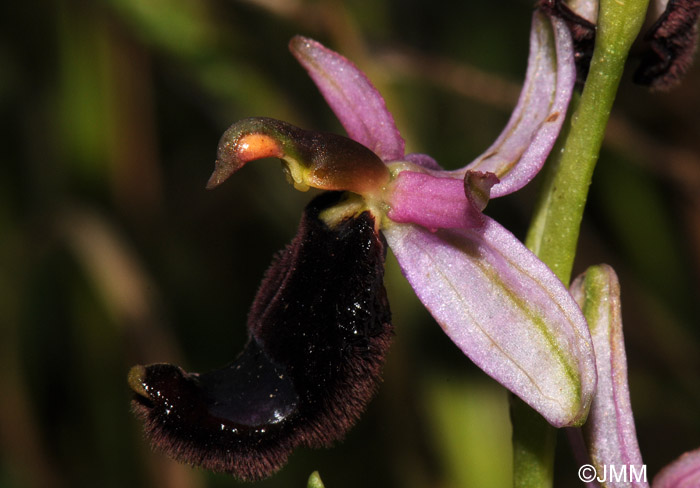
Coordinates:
[112,253]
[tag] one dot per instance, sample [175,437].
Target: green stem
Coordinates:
[554,230]
[555,227]
[534,441]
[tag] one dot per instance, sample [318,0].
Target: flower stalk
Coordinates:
[554,231]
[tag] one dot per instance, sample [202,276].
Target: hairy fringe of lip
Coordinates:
[319,329]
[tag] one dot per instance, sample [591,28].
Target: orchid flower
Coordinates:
[609,433]
[503,307]
[499,304]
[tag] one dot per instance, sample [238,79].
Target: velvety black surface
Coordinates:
[672,40]
[319,328]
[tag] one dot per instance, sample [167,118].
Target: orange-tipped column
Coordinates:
[312,159]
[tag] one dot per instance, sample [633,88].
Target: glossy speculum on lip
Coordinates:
[318,332]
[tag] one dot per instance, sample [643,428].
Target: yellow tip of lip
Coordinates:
[136,378]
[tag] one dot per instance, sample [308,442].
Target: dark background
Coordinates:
[113,254]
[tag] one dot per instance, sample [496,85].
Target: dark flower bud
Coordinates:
[318,329]
[672,40]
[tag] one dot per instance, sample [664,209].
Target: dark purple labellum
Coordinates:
[672,41]
[582,34]
[318,332]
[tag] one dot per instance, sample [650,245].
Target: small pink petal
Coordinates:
[609,431]
[523,146]
[355,101]
[684,472]
[424,160]
[506,310]
[432,202]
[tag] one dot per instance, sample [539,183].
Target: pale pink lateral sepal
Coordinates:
[354,100]
[504,309]
[609,432]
